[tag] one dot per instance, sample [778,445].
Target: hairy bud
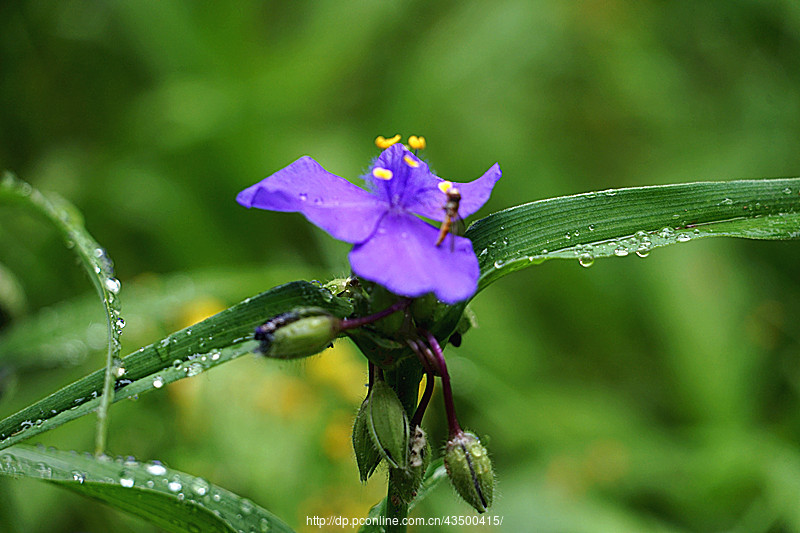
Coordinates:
[367,455]
[388,424]
[470,470]
[298,333]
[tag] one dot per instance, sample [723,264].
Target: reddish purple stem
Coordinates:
[352,323]
[447,391]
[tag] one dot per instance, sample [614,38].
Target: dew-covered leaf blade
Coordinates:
[171,500]
[620,222]
[188,352]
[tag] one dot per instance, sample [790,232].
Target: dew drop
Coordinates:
[726,201]
[126,481]
[683,237]
[200,486]
[644,249]
[586,260]
[787,190]
[591,227]
[303,196]
[174,485]
[158,382]
[499,264]
[666,233]
[246,506]
[157,469]
[193,369]
[215,355]
[120,323]
[620,251]
[112,285]
[80,477]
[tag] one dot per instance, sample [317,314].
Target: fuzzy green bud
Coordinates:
[388,424]
[470,470]
[299,333]
[367,455]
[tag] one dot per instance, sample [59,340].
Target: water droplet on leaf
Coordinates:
[157,469]
[112,285]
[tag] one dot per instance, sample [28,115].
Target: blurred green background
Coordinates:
[657,394]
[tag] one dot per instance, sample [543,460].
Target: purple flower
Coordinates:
[393,247]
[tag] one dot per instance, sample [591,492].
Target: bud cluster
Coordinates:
[382,431]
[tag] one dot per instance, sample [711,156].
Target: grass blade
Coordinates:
[171,500]
[188,352]
[68,221]
[617,222]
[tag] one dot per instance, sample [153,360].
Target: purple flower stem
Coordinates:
[353,323]
[447,391]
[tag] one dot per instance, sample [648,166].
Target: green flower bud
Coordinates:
[470,470]
[419,457]
[388,424]
[367,455]
[298,333]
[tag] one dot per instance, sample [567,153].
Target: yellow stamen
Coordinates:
[416,143]
[410,161]
[445,186]
[382,173]
[384,143]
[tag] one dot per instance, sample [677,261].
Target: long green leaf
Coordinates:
[188,352]
[172,500]
[618,222]
[68,221]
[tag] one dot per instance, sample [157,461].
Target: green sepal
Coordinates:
[367,455]
[388,425]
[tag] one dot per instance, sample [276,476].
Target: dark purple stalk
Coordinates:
[352,323]
[447,391]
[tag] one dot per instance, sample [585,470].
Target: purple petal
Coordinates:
[347,212]
[410,176]
[430,200]
[402,256]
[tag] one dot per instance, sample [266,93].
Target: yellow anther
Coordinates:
[445,186]
[416,143]
[410,161]
[382,173]
[383,143]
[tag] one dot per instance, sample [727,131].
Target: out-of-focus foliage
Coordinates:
[640,394]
